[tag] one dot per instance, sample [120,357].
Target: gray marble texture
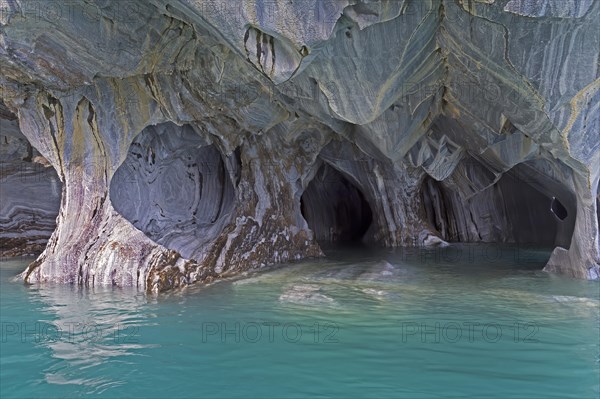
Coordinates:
[190,136]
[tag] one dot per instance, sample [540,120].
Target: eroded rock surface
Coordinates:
[197,139]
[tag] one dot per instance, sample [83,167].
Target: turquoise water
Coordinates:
[480,321]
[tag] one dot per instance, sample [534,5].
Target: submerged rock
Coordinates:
[195,140]
[380,271]
[306,294]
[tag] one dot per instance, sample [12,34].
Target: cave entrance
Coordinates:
[598,207]
[522,207]
[335,209]
[30,192]
[174,187]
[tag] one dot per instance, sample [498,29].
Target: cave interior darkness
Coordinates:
[335,209]
[515,209]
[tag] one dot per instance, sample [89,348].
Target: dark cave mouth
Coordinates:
[598,206]
[30,192]
[335,209]
[558,209]
[517,209]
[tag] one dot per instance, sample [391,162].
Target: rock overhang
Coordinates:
[448,89]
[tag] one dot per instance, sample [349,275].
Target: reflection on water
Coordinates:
[469,321]
[90,327]
[79,331]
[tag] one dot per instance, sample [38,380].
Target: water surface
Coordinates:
[474,321]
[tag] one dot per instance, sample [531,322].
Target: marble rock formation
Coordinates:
[195,139]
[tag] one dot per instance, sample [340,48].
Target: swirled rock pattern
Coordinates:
[174,187]
[198,138]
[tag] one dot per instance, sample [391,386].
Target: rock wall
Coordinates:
[195,139]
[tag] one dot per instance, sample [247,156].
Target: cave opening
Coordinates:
[558,209]
[335,209]
[30,192]
[522,207]
[598,206]
[175,187]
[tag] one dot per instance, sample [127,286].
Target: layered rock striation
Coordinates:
[195,139]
